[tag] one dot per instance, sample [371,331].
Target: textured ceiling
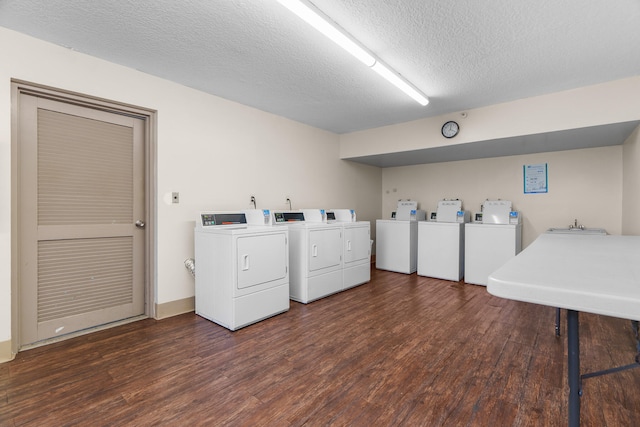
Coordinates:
[463,54]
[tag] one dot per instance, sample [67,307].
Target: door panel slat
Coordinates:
[85,170]
[79,276]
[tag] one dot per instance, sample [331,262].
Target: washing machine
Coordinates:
[242,270]
[397,239]
[441,242]
[315,254]
[356,247]
[493,238]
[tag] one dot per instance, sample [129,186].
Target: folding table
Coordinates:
[592,273]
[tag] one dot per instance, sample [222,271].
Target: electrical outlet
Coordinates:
[175,197]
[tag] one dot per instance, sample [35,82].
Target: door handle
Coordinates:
[314,250]
[140,223]
[245,262]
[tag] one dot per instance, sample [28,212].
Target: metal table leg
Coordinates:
[575,379]
[573,359]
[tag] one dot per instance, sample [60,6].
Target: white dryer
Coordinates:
[315,254]
[491,240]
[397,239]
[356,248]
[242,271]
[441,242]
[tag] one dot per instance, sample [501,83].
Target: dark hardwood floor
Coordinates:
[400,350]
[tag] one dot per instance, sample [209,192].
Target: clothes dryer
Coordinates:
[315,254]
[242,271]
[356,249]
[441,242]
[493,239]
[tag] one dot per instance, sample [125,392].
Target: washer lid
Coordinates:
[447,210]
[496,212]
[407,205]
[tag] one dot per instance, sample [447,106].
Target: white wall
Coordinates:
[216,153]
[631,184]
[581,183]
[611,102]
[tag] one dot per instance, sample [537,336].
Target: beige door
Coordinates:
[80,217]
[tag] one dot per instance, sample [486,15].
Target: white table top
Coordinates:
[589,273]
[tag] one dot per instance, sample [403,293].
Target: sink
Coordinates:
[577,230]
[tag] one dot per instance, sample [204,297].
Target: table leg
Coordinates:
[573,359]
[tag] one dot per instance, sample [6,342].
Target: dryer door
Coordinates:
[261,259]
[356,244]
[325,248]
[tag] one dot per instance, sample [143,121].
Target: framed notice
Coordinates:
[535,178]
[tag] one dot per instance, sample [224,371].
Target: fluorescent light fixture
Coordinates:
[318,20]
[400,83]
[322,23]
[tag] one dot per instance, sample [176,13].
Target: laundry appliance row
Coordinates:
[448,246]
[249,263]
[330,251]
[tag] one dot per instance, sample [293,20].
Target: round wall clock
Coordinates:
[450,129]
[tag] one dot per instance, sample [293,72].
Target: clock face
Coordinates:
[450,129]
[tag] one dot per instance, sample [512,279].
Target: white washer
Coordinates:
[315,254]
[356,247]
[491,241]
[441,242]
[397,239]
[242,271]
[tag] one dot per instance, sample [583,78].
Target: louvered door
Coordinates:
[81,193]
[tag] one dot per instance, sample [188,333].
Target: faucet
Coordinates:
[575,225]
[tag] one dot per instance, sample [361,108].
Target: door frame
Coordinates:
[149,116]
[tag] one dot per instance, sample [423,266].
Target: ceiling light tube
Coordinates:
[326,26]
[399,82]
[321,22]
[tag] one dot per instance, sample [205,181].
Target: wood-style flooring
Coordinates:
[402,350]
